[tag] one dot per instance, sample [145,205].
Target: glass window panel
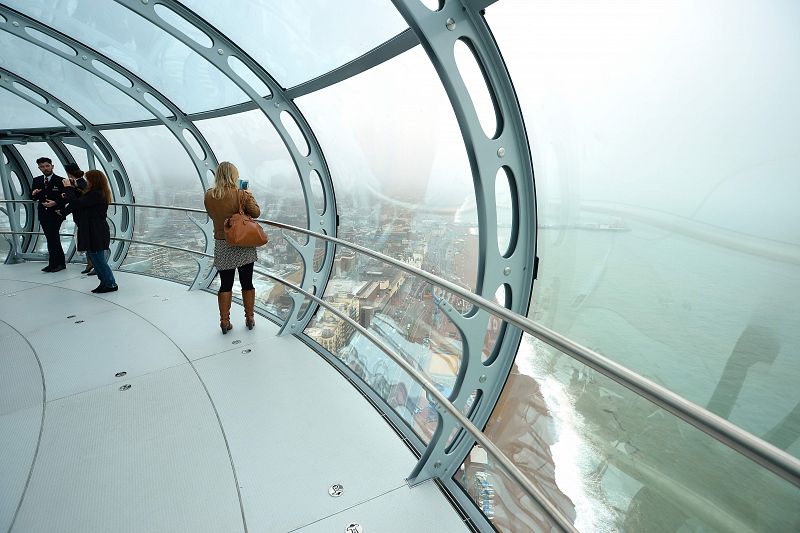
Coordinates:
[153,54]
[17,113]
[161,173]
[666,162]
[299,40]
[613,460]
[399,310]
[421,206]
[94,98]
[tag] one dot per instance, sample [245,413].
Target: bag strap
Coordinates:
[239,192]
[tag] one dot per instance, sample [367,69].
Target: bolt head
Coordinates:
[450,24]
[220,51]
[482,379]
[507,271]
[437,464]
[501,152]
[15,24]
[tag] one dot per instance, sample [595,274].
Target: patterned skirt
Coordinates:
[227,257]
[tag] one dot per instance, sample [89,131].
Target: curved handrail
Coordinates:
[511,469]
[763,453]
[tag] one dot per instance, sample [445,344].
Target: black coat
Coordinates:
[51,191]
[91,208]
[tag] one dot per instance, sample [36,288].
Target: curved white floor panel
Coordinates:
[241,432]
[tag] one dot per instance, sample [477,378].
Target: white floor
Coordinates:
[238,432]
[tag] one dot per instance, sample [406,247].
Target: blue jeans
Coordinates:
[104,273]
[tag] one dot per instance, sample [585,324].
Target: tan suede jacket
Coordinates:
[221,209]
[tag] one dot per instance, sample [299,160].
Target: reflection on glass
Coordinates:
[616,461]
[668,234]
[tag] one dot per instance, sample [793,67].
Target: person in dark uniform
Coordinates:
[47,190]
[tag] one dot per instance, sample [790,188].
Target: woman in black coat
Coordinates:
[94,237]
[75,175]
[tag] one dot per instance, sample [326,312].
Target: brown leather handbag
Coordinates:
[242,230]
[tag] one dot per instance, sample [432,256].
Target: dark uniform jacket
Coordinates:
[91,208]
[51,191]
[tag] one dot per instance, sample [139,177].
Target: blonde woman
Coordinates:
[222,201]
[94,237]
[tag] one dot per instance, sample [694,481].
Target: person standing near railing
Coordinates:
[94,237]
[47,190]
[75,176]
[222,201]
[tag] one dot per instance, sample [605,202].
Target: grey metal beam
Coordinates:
[273,105]
[393,47]
[505,151]
[123,218]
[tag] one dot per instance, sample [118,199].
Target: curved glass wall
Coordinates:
[403,188]
[665,176]
[664,146]
[161,173]
[156,56]
[667,241]
[94,98]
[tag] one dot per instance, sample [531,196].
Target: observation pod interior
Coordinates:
[532,266]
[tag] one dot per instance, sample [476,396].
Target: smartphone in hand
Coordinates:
[244,183]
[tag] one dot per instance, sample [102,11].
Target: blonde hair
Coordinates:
[97,180]
[224,178]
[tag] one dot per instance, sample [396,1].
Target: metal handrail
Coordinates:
[763,453]
[511,469]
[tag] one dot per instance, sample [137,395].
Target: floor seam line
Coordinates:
[348,508]
[41,428]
